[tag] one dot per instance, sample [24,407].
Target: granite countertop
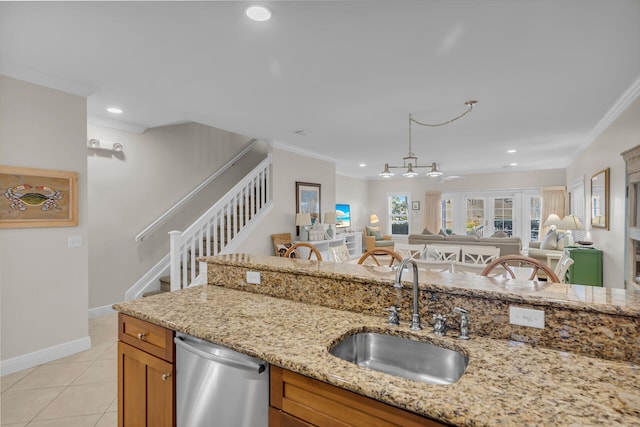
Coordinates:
[593,298]
[506,383]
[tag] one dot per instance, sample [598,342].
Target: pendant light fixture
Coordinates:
[410,161]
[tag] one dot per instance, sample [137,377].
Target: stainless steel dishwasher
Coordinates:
[216,386]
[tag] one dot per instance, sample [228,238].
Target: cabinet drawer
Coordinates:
[146,336]
[321,404]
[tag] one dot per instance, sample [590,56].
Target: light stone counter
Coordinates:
[506,383]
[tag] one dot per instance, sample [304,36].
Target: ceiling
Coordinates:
[547,73]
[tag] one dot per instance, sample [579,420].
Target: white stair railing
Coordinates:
[214,232]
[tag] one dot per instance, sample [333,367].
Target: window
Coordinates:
[475,216]
[399,213]
[447,215]
[535,210]
[503,215]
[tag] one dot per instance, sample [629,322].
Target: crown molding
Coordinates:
[46,80]
[115,124]
[290,149]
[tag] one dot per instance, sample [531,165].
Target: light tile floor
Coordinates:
[76,391]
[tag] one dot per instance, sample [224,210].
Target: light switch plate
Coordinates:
[75,241]
[253,277]
[526,317]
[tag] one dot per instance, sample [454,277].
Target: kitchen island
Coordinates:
[506,382]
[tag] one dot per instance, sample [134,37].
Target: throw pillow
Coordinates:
[499,233]
[370,230]
[562,241]
[282,249]
[442,233]
[378,235]
[426,231]
[550,241]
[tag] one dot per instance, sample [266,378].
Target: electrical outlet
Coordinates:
[526,317]
[253,277]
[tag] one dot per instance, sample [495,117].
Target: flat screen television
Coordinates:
[343,215]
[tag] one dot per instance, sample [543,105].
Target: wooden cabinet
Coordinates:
[586,268]
[298,401]
[146,374]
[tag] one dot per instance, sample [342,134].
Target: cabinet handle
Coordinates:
[165,377]
[142,335]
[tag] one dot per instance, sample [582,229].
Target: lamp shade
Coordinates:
[303,219]
[552,219]
[570,222]
[374,219]
[330,218]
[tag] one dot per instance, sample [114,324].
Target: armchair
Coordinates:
[373,239]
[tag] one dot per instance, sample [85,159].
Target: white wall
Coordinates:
[129,190]
[354,192]
[604,152]
[288,168]
[43,283]
[417,187]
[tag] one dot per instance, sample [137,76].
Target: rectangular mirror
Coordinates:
[600,199]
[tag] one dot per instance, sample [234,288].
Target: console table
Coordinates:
[353,241]
[586,268]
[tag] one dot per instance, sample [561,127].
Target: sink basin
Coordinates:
[403,357]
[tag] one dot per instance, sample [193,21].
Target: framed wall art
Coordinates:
[415,206]
[38,198]
[308,200]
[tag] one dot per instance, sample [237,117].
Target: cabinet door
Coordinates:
[146,389]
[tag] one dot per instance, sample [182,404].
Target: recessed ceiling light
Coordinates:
[513,164]
[511,151]
[258,13]
[363,165]
[114,110]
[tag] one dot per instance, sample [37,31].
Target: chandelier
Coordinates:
[410,161]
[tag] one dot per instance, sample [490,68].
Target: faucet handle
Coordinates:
[464,323]
[393,315]
[439,325]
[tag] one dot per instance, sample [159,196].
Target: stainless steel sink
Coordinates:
[406,358]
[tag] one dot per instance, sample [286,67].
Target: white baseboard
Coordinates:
[105,310]
[45,355]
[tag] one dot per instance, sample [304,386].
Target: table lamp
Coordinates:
[373,219]
[570,222]
[330,218]
[552,220]
[303,220]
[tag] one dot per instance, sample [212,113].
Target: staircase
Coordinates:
[219,230]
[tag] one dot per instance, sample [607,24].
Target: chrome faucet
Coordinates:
[415,319]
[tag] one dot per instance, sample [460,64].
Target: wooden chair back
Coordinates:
[562,267]
[279,242]
[380,254]
[508,261]
[293,252]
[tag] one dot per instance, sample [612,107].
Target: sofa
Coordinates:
[507,245]
[553,243]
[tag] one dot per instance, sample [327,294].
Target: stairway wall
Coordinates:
[289,167]
[129,191]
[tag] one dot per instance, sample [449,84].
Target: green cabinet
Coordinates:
[586,268]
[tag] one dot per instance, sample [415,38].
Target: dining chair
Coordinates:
[293,252]
[340,253]
[562,267]
[479,254]
[381,254]
[435,266]
[450,253]
[507,262]
[409,250]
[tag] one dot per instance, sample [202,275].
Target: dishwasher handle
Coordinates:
[235,362]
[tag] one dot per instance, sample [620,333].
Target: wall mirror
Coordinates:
[600,199]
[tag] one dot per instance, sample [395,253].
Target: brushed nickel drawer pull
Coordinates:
[142,335]
[165,377]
